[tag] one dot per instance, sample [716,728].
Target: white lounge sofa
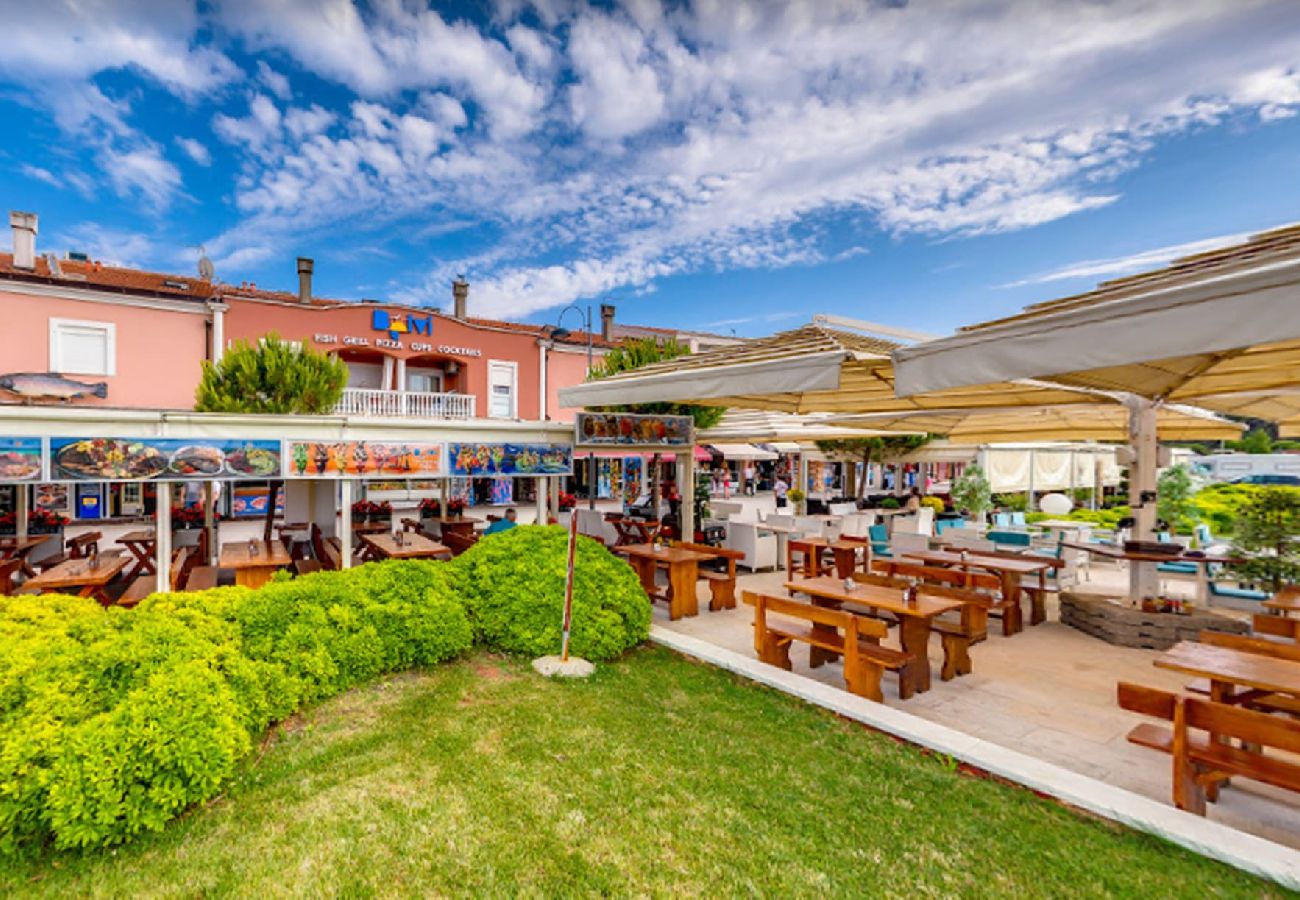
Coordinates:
[759,545]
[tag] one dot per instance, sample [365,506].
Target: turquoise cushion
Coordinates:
[1016,538]
[878,533]
[1179,568]
[1239,593]
[880,550]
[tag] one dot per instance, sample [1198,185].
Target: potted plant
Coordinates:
[797,496]
[39,521]
[567,501]
[971,493]
[456,507]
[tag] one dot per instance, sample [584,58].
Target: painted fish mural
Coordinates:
[50,386]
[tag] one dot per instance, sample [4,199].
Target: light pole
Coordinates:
[559,332]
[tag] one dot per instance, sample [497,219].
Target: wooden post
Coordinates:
[21,508]
[163,535]
[345,523]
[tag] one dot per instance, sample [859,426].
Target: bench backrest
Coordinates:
[329,556]
[1258,646]
[1147,701]
[458,541]
[966,595]
[937,575]
[853,626]
[9,568]
[1246,725]
[180,567]
[1277,626]
[878,580]
[731,556]
[81,545]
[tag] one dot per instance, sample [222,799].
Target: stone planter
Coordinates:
[1115,622]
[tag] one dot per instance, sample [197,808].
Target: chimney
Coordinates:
[460,296]
[607,321]
[24,226]
[305,266]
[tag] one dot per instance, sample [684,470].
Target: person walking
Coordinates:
[780,489]
[749,478]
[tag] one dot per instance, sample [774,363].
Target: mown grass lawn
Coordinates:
[657,776]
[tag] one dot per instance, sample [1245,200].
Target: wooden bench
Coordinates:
[307,566]
[202,578]
[954,636]
[986,593]
[458,541]
[331,557]
[722,585]
[83,544]
[1276,626]
[1200,743]
[8,569]
[141,587]
[181,566]
[837,632]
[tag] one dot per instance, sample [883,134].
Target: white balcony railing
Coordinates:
[405,404]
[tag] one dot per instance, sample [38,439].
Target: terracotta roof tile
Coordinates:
[91,274]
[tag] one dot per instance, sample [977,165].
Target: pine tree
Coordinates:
[271,377]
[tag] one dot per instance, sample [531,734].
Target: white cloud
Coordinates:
[1093,269]
[195,150]
[40,174]
[617,93]
[273,81]
[113,246]
[142,172]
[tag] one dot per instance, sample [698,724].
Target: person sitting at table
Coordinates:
[914,500]
[503,524]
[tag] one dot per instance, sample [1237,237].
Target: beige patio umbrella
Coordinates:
[1099,422]
[810,369]
[767,427]
[1220,329]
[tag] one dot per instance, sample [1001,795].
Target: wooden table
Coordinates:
[845,554]
[635,531]
[144,548]
[683,571]
[1008,569]
[913,618]
[12,548]
[254,570]
[1227,668]
[1285,601]
[77,575]
[413,546]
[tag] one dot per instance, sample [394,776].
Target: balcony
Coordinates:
[405,404]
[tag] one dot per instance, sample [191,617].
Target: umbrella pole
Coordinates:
[1144,580]
[568,589]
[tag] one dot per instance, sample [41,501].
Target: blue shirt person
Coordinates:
[505,524]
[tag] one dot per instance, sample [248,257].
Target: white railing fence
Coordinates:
[405,404]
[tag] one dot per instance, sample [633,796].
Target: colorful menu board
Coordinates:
[162,459]
[510,459]
[630,430]
[354,459]
[20,459]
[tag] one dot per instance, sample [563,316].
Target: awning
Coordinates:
[1100,422]
[764,426]
[785,447]
[811,369]
[702,454]
[1220,330]
[743,451]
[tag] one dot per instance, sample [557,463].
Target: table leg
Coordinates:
[253,576]
[682,577]
[846,561]
[645,570]
[1012,623]
[818,655]
[914,634]
[975,619]
[1038,600]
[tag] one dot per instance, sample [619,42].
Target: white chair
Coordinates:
[591,522]
[901,542]
[725,509]
[968,543]
[843,509]
[757,543]
[810,526]
[919,522]
[953,535]
[857,524]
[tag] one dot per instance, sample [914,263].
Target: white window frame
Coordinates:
[56,347]
[514,387]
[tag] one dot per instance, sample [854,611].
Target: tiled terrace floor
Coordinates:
[1048,692]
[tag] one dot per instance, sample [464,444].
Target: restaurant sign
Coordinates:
[629,430]
[510,459]
[20,459]
[355,459]
[162,459]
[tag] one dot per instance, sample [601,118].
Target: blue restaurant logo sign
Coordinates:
[398,324]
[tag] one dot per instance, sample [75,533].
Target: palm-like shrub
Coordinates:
[1268,533]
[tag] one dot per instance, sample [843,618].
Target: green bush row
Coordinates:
[112,722]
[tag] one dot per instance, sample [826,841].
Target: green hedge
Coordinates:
[513,587]
[113,722]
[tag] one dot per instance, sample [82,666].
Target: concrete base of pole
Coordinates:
[554,666]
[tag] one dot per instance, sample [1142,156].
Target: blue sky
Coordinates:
[726,166]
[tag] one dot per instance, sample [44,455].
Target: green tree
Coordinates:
[1268,533]
[872,449]
[1174,492]
[971,492]
[271,377]
[636,354]
[1257,440]
[641,352]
